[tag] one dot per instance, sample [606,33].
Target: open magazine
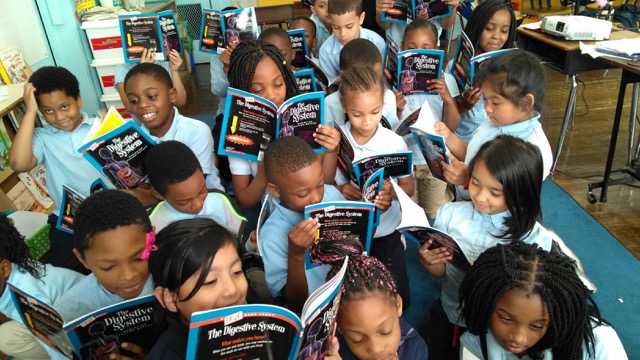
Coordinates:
[117,149]
[250,122]
[415,227]
[466,64]
[405,11]
[157,32]
[322,82]
[71,200]
[415,68]
[391,62]
[268,331]
[219,29]
[92,336]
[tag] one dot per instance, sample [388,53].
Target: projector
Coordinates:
[576,27]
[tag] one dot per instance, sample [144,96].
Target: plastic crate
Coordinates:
[39,244]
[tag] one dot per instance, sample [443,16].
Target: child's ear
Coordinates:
[157,195]
[79,101]
[314,44]
[166,298]
[529,101]
[5,269]
[313,9]
[80,258]
[173,94]
[274,189]
[399,304]
[361,18]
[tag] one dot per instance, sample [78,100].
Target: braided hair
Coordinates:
[14,249]
[359,79]
[552,276]
[245,58]
[481,16]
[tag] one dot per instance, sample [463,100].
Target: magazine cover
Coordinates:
[267,331]
[71,200]
[399,12]
[250,122]
[305,80]
[299,46]
[434,150]
[461,69]
[219,29]
[416,67]
[140,32]
[170,32]
[394,165]
[391,62]
[429,10]
[345,157]
[370,189]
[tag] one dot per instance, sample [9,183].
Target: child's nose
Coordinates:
[230,288]
[376,348]
[518,336]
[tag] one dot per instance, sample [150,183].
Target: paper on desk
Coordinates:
[533,26]
[593,51]
[630,47]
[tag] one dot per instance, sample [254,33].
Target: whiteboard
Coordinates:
[20,26]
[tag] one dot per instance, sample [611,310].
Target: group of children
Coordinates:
[519,300]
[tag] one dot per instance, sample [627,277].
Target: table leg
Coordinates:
[632,121]
[567,117]
[613,141]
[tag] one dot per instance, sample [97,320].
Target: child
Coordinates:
[320,16]
[296,180]
[492,26]
[369,318]
[176,177]
[309,27]
[196,267]
[260,68]
[505,207]
[218,69]
[279,38]
[513,84]
[521,302]
[360,52]
[151,95]
[361,95]
[45,282]
[57,92]
[346,17]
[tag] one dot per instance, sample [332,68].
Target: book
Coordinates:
[299,47]
[221,28]
[16,115]
[305,80]
[405,11]
[268,331]
[321,78]
[250,122]
[92,336]
[39,194]
[415,227]
[4,76]
[5,145]
[140,32]
[415,68]
[170,32]
[17,69]
[391,62]
[118,152]
[71,200]
[466,63]
[341,218]
[23,200]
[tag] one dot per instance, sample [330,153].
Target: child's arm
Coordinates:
[138,351]
[333,349]
[175,61]
[382,6]
[449,21]
[401,103]
[470,98]
[21,157]
[457,147]
[451,116]
[330,139]
[249,192]
[434,261]
[300,238]
[456,173]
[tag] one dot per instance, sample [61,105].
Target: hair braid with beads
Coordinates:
[244,61]
[552,276]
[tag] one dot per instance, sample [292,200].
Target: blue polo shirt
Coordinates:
[213,208]
[329,53]
[322,33]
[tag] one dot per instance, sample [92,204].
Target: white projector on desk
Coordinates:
[576,27]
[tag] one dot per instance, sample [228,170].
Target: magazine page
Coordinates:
[119,155]
[211,32]
[100,333]
[391,62]
[299,46]
[430,9]
[416,67]
[321,78]
[415,227]
[370,189]
[394,165]
[478,62]
[305,80]
[248,125]
[71,200]
[461,69]
[140,32]
[397,13]
[345,157]
[111,121]
[319,316]
[170,33]
[239,25]
[300,116]
[244,332]
[434,150]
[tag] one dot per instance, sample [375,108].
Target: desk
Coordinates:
[630,75]
[565,56]
[274,14]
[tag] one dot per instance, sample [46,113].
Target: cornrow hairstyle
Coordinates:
[359,52]
[517,165]
[359,79]
[552,276]
[156,71]
[287,155]
[54,78]
[168,163]
[420,24]
[103,211]
[341,7]
[514,74]
[185,247]
[481,16]
[245,58]
[305,19]
[274,32]
[15,250]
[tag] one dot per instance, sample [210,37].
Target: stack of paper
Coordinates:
[624,48]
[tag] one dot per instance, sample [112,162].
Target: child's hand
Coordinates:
[454,3]
[442,130]
[384,197]
[435,256]
[441,88]
[328,137]
[456,173]
[139,351]
[471,97]
[349,192]
[175,60]
[401,103]
[302,236]
[148,56]
[333,349]
[383,5]
[29,96]
[225,57]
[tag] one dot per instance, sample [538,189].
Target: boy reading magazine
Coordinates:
[221,29]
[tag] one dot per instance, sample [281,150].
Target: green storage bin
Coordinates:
[39,243]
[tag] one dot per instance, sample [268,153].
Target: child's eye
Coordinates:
[349,26]
[133,101]
[209,283]
[65,107]
[48,111]
[238,273]
[505,319]
[107,269]
[536,327]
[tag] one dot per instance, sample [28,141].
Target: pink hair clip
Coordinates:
[150,246]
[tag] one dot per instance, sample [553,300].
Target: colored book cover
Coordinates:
[23,200]
[398,13]
[38,193]
[170,32]
[434,150]
[461,69]
[305,80]
[250,122]
[391,62]
[416,67]
[16,68]
[4,76]
[299,46]
[406,11]
[140,32]
[71,200]
[220,29]
[268,331]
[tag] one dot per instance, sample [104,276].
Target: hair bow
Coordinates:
[149,246]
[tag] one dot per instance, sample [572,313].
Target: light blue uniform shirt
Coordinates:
[329,53]
[322,33]
[197,136]
[165,214]
[335,115]
[219,82]
[606,341]
[469,120]
[475,232]
[89,295]
[274,245]
[58,151]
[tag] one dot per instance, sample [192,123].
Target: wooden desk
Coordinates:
[565,56]
[275,14]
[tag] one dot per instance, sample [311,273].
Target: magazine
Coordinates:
[415,227]
[92,336]
[321,78]
[268,331]
[170,32]
[305,80]
[71,200]
[391,62]
[250,122]
[140,32]
[466,64]
[405,11]
[299,46]
[219,29]
[265,211]
[415,68]
[118,152]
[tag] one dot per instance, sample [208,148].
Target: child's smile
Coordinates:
[151,101]
[61,111]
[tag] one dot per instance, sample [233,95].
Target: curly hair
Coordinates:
[306,20]
[287,155]
[154,70]
[359,52]
[104,211]
[170,162]
[14,249]
[54,78]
